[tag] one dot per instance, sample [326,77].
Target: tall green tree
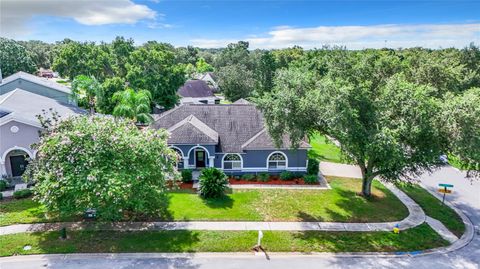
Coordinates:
[83,58]
[388,128]
[85,89]
[133,105]
[236,82]
[461,121]
[110,86]
[40,52]
[121,49]
[106,164]
[234,54]
[264,70]
[202,66]
[14,57]
[155,70]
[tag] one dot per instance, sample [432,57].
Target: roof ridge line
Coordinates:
[8,95]
[254,137]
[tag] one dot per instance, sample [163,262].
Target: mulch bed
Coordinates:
[272,181]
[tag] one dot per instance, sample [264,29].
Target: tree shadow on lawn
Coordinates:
[355,208]
[223,202]
[116,242]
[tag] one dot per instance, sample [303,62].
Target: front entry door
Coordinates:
[200,158]
[18,164]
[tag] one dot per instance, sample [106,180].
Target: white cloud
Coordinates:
[358,37]
[16,14]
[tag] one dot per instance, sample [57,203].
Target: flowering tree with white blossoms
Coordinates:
[105,164]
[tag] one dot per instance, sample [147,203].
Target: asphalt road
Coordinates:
[466,196]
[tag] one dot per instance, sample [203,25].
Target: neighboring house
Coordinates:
[197,92]
[19,126]
[210,79]
[230,137]
[37,85]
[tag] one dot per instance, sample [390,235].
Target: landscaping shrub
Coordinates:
[187,176]
[298,175]
[263,177]
[103,163]
[22,193]
[3,185]
[248,177]
[313,165]
[310,179]
[213,182]
[286,175]
[1,196]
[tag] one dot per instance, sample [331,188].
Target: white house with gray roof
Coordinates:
[19,126]
[37,85]
[230,137]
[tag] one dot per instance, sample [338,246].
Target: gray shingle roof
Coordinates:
[235,124]
[38,80]
[262,140]
[28,105]
[192,129]
[241,101]
[195,88]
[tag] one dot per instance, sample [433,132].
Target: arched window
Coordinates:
[277,160]
[179,158]
[232,162]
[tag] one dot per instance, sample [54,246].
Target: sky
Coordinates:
[265,24]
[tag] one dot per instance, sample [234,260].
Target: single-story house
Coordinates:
[19,126]
[231,137]
[38,85]
[197,92]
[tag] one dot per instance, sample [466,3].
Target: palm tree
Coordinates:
[133,104]
[84,90]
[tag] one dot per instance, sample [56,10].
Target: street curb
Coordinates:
[466,238]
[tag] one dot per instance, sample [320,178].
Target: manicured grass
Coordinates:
[434,208]
[340,204]
[20,211]
[418,238]
[324,150]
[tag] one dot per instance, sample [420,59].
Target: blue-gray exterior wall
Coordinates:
[186,149]
[37,89]
[253,160]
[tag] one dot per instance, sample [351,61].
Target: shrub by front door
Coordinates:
[200,158]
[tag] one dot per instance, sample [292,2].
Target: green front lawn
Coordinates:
[340,204]
[418,238]
[324,150]
[434,208]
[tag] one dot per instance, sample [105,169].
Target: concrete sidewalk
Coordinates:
[416,217]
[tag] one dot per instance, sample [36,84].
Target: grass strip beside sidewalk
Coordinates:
[418,238]
[434,208]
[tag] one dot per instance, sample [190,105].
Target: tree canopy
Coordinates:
[387,120]
[154,69]
[105,164]
[14,57]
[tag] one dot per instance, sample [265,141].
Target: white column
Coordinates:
[185,162]
[3,169]
[211,161]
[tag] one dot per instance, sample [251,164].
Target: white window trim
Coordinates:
[181,156]
[223,161]
[207,163]
[286,161]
